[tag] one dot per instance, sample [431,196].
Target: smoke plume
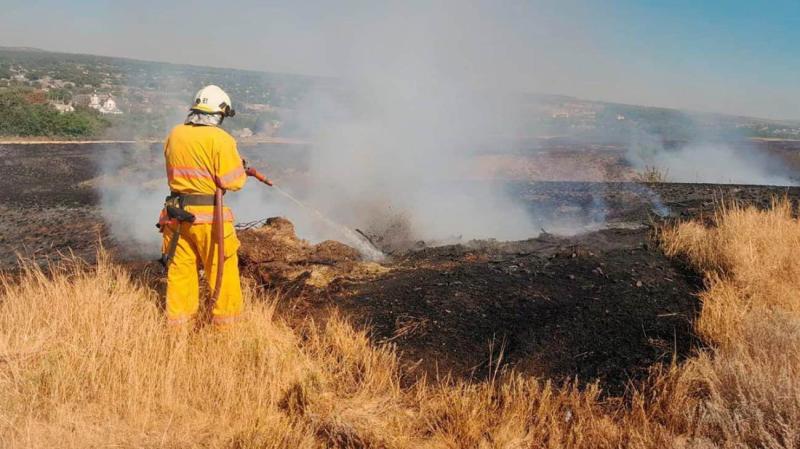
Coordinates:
[423,88]
[708,160]
[398,142]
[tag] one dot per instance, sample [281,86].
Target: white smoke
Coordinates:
[419,108]
[424,88]
[708,161]
[132,184]
[131,187]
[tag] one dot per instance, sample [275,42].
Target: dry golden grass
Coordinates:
[86,361]
[747,389]
[652,174]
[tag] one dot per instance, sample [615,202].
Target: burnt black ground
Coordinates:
[602,306]
[49,202]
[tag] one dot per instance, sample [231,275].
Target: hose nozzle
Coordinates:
[250,171]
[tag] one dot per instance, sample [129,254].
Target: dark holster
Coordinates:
[175,205]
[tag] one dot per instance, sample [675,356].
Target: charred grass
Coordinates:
[86,361]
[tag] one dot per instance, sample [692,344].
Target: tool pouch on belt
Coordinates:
[174,205]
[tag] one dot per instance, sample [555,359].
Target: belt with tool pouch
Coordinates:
[175,205]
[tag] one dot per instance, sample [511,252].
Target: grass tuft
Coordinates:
[652,174]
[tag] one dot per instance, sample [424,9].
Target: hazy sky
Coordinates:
[734,56]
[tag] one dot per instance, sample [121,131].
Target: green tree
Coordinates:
[22,118]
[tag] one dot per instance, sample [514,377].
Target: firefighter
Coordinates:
[200,158]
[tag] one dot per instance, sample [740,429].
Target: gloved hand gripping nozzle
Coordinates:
[250,171]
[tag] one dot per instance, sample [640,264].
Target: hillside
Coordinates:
[149,96]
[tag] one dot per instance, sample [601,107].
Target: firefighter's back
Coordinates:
[192,157]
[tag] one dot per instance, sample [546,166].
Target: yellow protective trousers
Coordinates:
[197,248]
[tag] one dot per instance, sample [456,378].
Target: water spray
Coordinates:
[365,247]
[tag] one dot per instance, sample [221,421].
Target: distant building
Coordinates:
[105,104]
[94,102]
[110,107]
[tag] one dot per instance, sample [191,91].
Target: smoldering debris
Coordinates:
[276,258]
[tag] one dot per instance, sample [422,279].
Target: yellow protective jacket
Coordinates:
[198,160]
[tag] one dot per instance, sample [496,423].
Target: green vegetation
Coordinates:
[107,73]
[25,114]
[152,96]
[63,95]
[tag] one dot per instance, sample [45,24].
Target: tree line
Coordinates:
[25,114]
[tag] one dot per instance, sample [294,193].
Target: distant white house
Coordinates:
[94,102]
[110,107]
[105,106]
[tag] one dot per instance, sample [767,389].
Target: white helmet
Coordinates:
[213,100]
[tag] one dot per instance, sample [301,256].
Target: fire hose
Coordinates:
[219,223]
